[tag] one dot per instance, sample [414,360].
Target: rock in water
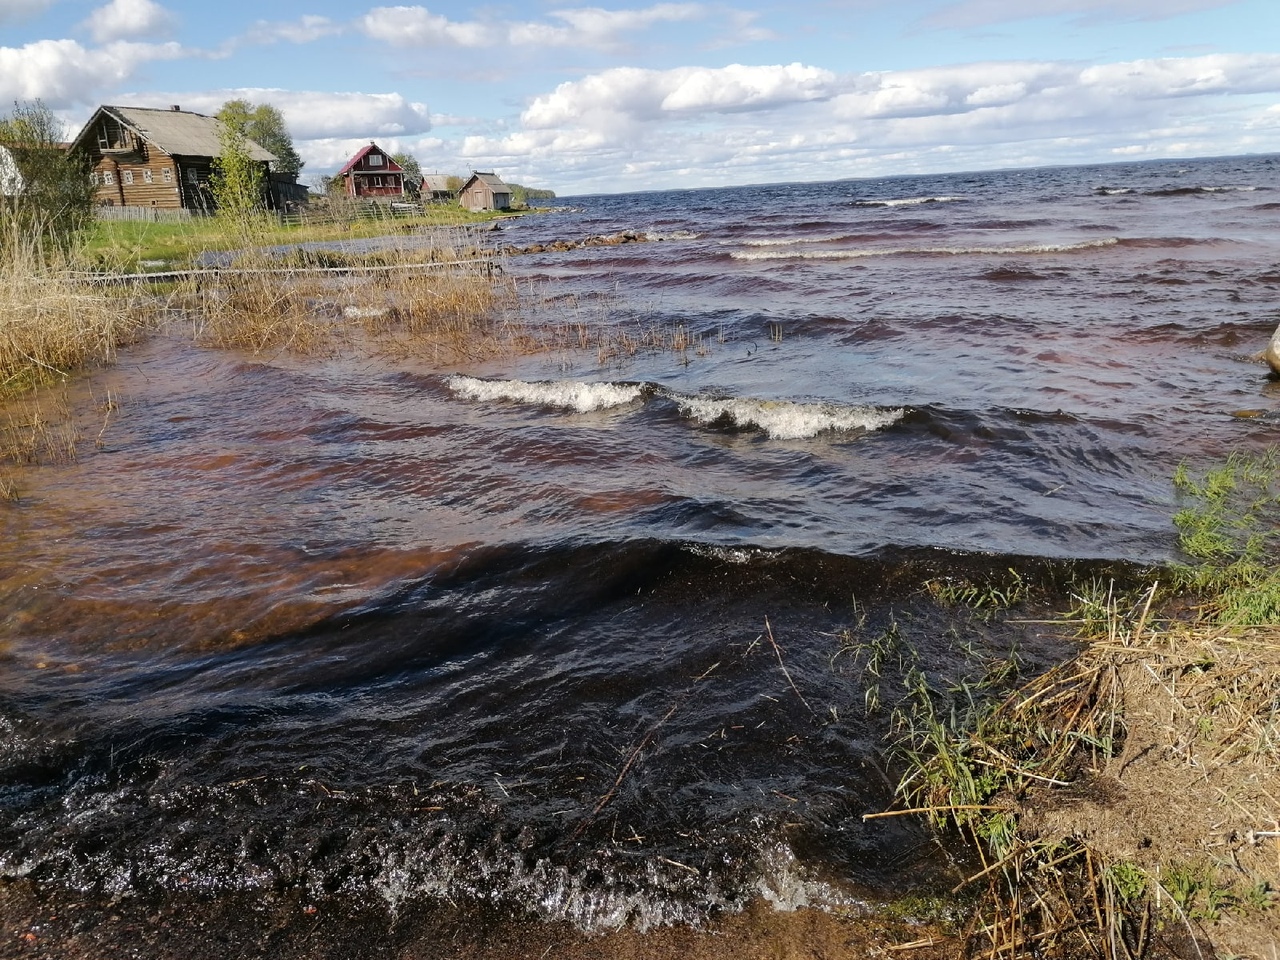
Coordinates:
[1272,353]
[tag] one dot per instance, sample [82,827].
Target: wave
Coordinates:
[905,202]
[576,395]
[783,241]
[865,252]
[785,419]
[777,419]
[1192,191]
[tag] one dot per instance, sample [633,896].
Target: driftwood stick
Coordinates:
[777,652]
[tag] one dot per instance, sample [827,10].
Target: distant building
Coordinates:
[145,157]
[372,174]
[435,186]
[485,191]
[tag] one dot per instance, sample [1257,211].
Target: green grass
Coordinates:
[128,245]
[1228,528]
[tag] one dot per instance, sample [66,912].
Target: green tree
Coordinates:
[409,164]
[265,126]
[45,194]
[237,180]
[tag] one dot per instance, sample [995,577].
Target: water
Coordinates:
[561,634]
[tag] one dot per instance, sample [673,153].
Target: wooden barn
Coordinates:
[372,175]
[485,191]
[162,159]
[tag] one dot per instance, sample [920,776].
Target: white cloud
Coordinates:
[305,29]
[130,20]
[12,11]
[63,73]
[587,27]
[318,115]
[981,13]
[756,123]
[627,94]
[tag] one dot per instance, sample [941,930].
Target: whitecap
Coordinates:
[577,395]
[906,201]
[786,419]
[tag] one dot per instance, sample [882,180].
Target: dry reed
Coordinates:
[52,323]
[1120,805]
[437,293]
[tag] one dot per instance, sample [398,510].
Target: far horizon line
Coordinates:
[935,173]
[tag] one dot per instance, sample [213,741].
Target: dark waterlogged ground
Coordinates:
[565,639]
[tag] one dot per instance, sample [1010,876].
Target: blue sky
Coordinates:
[647,95]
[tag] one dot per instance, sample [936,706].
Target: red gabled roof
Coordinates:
[391,167]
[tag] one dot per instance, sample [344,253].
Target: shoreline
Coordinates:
[287,926]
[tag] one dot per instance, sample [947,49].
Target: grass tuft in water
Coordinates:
[1228,527]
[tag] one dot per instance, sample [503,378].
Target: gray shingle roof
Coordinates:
[180,133]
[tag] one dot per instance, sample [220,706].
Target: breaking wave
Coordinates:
[576,395]
[906,201]
[777,419]
[785,419]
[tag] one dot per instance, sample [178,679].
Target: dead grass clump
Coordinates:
[1124,804]
[440,295]
[52,323]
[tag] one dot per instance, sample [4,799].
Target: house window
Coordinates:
[166,175]
[377,181]
[127,177]
[191,175]
[146,176]
[108,177]
[93,179]
[375,159]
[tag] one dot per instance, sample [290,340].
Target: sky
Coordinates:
[622,96]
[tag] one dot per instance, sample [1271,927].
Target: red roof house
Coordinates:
[372,174]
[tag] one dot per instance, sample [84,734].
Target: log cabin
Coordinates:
[485,191]
[145,157]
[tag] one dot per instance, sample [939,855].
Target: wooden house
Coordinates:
[145,157]
[372,175]
[485,191]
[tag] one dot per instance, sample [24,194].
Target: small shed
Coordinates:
[435,186]
[485,191]
[147,157]
[372,174]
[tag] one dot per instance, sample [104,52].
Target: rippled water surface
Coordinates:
[563,632]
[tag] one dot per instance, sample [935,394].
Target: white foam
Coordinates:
[576,395]
[859,253]
[906,201]
[785,419]
[783,241]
